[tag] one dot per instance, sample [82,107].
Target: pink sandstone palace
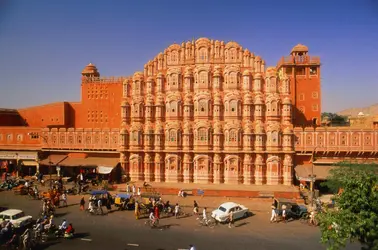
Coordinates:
[204,111]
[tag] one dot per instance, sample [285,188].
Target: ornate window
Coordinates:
[233,135]
[9,137]
[202,106]
[234,107]
[202,135]
[203,55]
[203,79]
[70,139]
[19,137]
[79,139]
[62,139]
[174,57]
[88,139]
[172,135]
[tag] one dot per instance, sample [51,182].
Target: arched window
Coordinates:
[202,106]
[233,135]
[203,54]
[202,135]
[172,135]
[234,107]
[203,78]
[275,137]
[174,57]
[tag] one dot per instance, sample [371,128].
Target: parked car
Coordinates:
[222,212]
[16,217]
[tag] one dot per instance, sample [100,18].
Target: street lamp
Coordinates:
[49,157]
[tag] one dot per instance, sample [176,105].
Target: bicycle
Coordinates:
[182,214]
[210,223]
[152,223]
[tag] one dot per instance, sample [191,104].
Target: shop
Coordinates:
[19,162]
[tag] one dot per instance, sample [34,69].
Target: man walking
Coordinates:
[230,219]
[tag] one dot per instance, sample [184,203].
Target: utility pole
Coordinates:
[312,176]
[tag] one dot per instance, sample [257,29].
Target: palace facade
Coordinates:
[204,111]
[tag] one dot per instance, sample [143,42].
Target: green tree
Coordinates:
[355,215]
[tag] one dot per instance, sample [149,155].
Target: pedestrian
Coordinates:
[230,219]
[127,188]
[284,213]
[133,189]
[156,212]
[99,205]
[136,210]
[274,215]
[82,203]
[64,199]
[177,210]
[139,192]
[204,215]
[195,208]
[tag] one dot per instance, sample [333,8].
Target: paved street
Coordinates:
[120,230]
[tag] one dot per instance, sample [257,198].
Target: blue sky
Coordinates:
[45,44]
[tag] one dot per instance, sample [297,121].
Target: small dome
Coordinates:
[299,48]
[188,72]
[123,131]
[218,99]
[159,127]
[259,101]
[286,100]
[248,99]
[150,79]
[246,72]
[138,75]
[187,128]
[150,100]
[125,104]
[160,99]
[188,99]
[246,52]
[160,75]
[361,114]
[90,69]
[258,59]
[218,128]
[287,130]
[257,76]
[259,129]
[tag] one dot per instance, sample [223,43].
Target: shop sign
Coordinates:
[20,156]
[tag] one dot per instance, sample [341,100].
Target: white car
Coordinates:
[221,214]
[16,217]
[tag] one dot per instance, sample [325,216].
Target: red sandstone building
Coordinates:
[204,111]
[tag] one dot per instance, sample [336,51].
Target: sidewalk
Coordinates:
[220,190]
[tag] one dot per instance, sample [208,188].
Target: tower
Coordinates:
[303,71]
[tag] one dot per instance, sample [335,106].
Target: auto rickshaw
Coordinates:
[124,202]
[104,195]
[294,210]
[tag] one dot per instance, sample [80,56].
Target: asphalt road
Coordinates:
[120,230]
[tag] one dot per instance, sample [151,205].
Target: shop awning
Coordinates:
[29,163]
[93,162]
[303,172]
[55,159]
[104,170]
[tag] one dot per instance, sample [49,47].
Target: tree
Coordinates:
[355,215]
[335,118]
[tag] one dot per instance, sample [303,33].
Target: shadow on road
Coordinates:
[46,245]
[80,235]
[164,227]
[71,205]
[57,215]
[242,224]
